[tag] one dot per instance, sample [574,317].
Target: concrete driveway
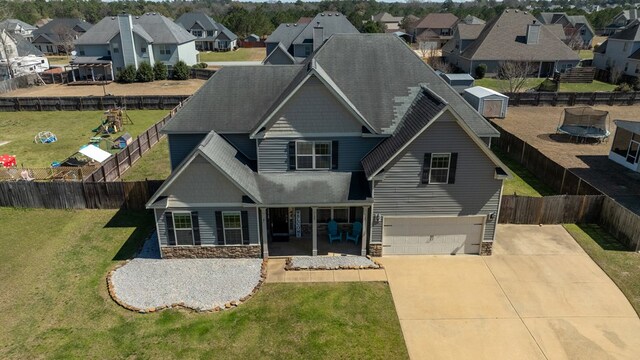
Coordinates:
[539,296]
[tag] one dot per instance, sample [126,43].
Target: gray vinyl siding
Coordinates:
[279,58]
[196,185]
[270,47]
[181,145]
[207,222]
[313,110]
[274,153]
[243,143]
[475,191]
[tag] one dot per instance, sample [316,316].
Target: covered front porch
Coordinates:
[304,231]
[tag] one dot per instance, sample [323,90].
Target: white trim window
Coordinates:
[183,228]
[164,49]
[313,155]
[115,48]
[232,227]
[439,169]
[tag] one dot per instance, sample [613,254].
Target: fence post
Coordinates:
[104,174]
[117,166]
[139,146]
[18,104]
[129,155]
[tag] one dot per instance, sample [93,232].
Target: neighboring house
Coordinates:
[472,20]
[362,131]
[436,28]
[18,27]
[301,39]
[19,57]
[511,36]
[118,41]
[391,23]
[620,54]
[577,31]
[622,21]
[58,35]
[210,35]
[625,148]
[42,22]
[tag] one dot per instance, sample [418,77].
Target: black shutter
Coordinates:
[195,225]
[334,155]
[244,217]
[292,155]
[453,163]
[352,214]
[219,228]
[171,235]
[426,165]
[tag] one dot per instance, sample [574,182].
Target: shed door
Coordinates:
[432,235]
[492,108]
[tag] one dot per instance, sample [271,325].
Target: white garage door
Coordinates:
[432,235]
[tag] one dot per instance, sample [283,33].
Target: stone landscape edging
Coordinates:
[289,267]
[181,305]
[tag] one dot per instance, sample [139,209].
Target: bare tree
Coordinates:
[436,61]
[575,41]
[615,74]
[516,74]
[424,45]
[66,37]
[6,43]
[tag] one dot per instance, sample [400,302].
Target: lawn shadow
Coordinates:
[601,237]
[141,221]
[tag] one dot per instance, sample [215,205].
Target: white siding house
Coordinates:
[620,54]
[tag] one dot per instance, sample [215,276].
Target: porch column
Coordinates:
[365,226]
[314,231]
[265,236]
[73,73]
[540,69]
[111,70]
[93,76]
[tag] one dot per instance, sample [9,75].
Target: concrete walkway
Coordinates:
[277,273]
[539,296]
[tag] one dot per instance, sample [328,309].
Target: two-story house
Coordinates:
[513,36]
[210,35]
[435,28]
[58,35]
[362,131]
[18,27]
[620,54]
[621,21]
[295,42]
[578,33]
[118,41]
[391,23]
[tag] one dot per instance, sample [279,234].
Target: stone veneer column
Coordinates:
[486,248]
[365,225]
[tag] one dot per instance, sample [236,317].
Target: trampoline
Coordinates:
[585,123]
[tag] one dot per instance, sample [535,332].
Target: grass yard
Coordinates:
[154,164]
[59,60]
[523,183]
[72,128]
[620,264]
[54,303]
[503,85]
[594,86]
[242,54]
[585,54]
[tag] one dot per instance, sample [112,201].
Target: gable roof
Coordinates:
[469,31]
[503,38]
[23,46]
[51,30]
[15,24]
[188,20]
[385,17]
[472,20]
[437,21]
[576,21]
[279,50]
[285,34]
[557,30]
[154,28]
[630,33]
[331,22]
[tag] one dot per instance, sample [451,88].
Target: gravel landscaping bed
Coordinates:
[147,284]
[330,263]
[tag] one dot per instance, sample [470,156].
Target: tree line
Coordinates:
[262,18]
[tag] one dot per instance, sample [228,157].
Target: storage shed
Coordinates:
[489,103]
[625,149]
[460,82]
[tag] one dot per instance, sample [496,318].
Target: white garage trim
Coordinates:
[451,235]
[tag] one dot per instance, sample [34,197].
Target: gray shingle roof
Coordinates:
[503,38]
[285,34]
[630,33]
[437,21]
[472,20]
[52,29]
[149,26]
[187,20]
[423,109]
[469,31]
[24,47]
[332,23]
[13,24]
[280,51]
[233,100]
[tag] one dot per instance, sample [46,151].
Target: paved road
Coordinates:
[234,63]
[539,296]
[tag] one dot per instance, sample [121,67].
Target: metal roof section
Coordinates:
[480,92]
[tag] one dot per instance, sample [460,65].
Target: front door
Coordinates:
[279,222]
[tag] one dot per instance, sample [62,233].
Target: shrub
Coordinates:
[160,71]
[181,71]
[481,70]
[201,65]
[127,75]
[624,87]
[144,73]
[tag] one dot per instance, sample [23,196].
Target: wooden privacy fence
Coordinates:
[90,102]
[78,195]
[573,98]
[561,209]
[65,77]
[583,75]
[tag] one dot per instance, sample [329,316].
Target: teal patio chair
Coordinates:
[332,231]
[356,231]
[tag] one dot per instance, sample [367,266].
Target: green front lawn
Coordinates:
[59,60]
[620,264]
[72,128]
[523,183]
[54,303]
[242,54]
[585,54]
[154,164]
[594,86]
[503,85]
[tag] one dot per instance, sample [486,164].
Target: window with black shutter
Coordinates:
[219,228]
[245,227]
[426,165]
[453,164]
[334,155]
[439,168]
[292,155]
[196,228]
